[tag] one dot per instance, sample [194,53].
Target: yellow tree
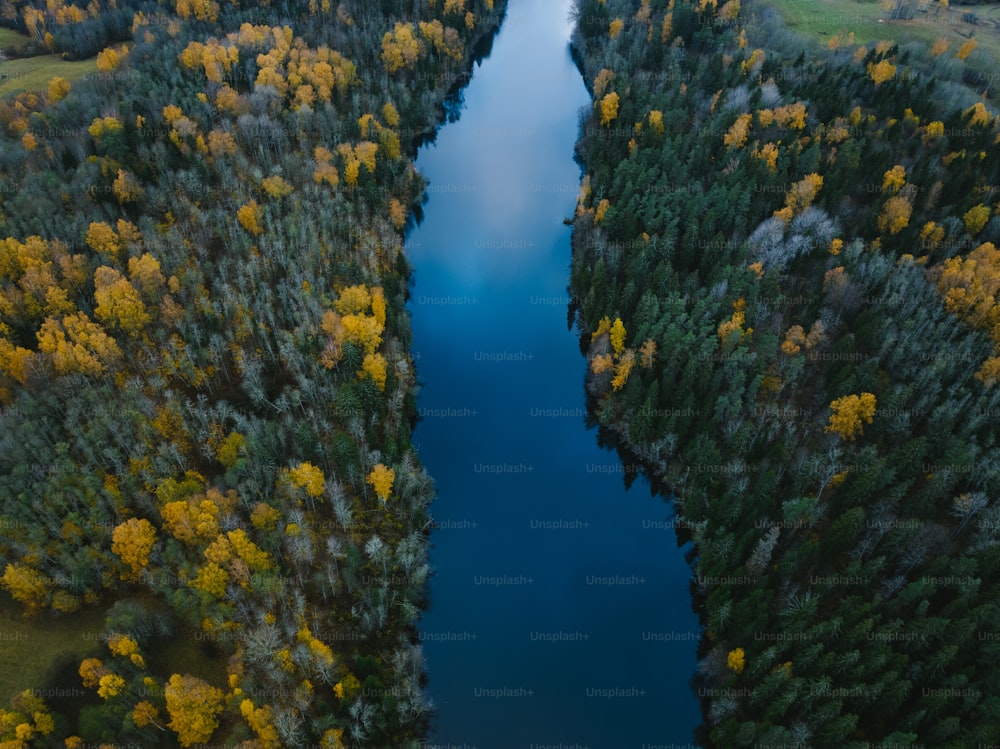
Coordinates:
[102,239]
[894,179]
[971,286]
[276,187]
[261,720]
[353,299]
[656,120]
[966,49]
[648,353]
[211,579]
[975,218]
[602,210]
[400,47]
[132,541]
[58,88]
[145,273]
[194,706]
[249,217]
[374,367]
[309,477]
[203,10]
[390,115]
[144,714]
[381,479]
[617,334]
[609,108]
[397,213]
[77,344]
[191,520]
[737,135]
[623,369]
[108,60]
[800,196]
[127,187]
[118,302]
[363,330]
[255,558]
[27,586]
[264,517]
[850,414]
[601,81]
[736,660]
[895,215]
[325,171]
[881,71]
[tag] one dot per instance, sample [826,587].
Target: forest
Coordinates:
[206,390]
[787,268]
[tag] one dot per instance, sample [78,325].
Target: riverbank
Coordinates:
[749,295]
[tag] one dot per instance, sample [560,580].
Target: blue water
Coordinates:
[559,609]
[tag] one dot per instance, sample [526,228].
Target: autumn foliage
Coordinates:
[850,414]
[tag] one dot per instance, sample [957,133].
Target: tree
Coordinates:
[975,218]
[353,299]
[77,344]
[609,108]
[27,586]
[966,49]
[194,706]
[881,71]
[145,273]
[249,216]
[145,713]
[118,302]
[617,334]
[374,367]
[102,239]
[203,10]
[261,720]
[132,541]
[381,479]
[737,135]
[390,115]
[648,353]
[58,88]
[108,60]
[895,215]
[622,369]
[211,579]
[656,121]
[602,80]
[276,187]
[307,476]
[894,179]
[736,660]
[400,47]
[850,414]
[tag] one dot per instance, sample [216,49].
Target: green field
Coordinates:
[13,41]
[30,646]
[34,73]
[823,19]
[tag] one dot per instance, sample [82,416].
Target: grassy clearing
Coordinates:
[29,647]
[34,73]
[824,19]
[13,41]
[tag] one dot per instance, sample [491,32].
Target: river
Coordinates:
[559,610]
